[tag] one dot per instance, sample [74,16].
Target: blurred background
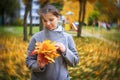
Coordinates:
[94,25]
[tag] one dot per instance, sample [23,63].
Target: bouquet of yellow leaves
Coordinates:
[46,51]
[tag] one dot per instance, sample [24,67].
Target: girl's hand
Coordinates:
[60,47]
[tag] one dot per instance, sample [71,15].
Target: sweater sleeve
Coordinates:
[31,60]
[71,55]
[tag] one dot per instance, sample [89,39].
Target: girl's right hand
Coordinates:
[60,46]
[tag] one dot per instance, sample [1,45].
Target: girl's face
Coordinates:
[50,21]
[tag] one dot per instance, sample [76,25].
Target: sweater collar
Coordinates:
[58,29]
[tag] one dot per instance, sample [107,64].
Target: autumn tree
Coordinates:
[93,17]
[82,12]
[109,8]
[9,8]
[28,5]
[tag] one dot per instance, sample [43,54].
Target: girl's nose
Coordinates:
[48,23]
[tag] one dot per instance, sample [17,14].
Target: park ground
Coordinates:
[98,50]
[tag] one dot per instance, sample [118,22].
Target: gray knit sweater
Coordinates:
[57,70]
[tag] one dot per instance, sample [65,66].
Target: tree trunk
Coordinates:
[80,15]
[27,9]
[24,24]
[84,12]
[41,24]
[3,19]
[118,23]
[30,32]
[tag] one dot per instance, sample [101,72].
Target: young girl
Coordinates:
[65,47]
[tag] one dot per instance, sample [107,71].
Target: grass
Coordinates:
[20,29]
[112,35]
[17,29]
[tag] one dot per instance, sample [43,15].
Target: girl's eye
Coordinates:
[45,20]
[51,19]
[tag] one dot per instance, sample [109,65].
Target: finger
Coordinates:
[57,45]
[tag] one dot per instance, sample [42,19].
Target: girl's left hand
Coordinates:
[60,47]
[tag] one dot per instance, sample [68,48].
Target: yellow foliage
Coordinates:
[46,51]
[74,7]
[98,60]
[12,59]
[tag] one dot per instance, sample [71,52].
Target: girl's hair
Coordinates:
[49,8]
